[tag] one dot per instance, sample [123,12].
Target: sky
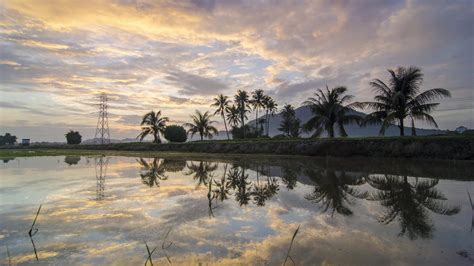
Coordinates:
[56,56]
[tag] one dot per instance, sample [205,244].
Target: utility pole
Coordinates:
[102,135]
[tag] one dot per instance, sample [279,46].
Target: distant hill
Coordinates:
[126,140]
[353,130]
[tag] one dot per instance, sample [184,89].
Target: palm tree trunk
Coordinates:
[331,131]
[267,123]
[243,126]
[413,129]
[402,128]
[201,137]
[225,125]
[256,121]
[155,138]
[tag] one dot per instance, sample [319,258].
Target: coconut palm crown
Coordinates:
[241,99]
[329,108]
[257,102]
[401,99]
[222,103]
[202,125]
[152,123]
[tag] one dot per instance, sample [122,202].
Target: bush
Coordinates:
[175,133]
[8,139]
[250,133]
[73,137]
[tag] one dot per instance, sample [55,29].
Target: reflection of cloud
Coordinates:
[76,228]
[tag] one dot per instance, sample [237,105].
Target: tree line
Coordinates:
[394,102]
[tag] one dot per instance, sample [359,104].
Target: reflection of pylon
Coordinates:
[100,174]
[102,134]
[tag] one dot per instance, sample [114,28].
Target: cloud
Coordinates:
[191,84]
[154,54]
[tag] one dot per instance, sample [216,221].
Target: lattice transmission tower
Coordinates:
[102,134]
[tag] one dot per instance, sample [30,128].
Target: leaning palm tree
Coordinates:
[222,103]
[257,102]
[242,101]
[152,123]
[329,108]
[202,125]
[401,100]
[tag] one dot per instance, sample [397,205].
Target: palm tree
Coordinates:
[258,99]
[152,172]
[153,123]
[201,172]
[333,189]
[242,101]
[402,99]
[290,124]
[222,103]
[201,125]
[409,201]
[233,116]
[328,108]
[270,109]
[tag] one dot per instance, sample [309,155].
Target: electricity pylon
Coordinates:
[102,135]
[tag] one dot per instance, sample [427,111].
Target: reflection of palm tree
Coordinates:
[409,201]
[210,196]
[152,172]
[264,191]
[223,187]
[332,190]
[242,195]
[290,175]
[201,171]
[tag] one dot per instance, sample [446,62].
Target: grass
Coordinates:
[200,147]
[291,245]
[33,232]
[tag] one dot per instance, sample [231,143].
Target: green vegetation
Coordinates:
[435,147]
[8,139]
[242,101]
[290,124]
[175,133]
[257,102]
[401,99]
[222,103]
[202,124]
[73,137]
[328,108]
[152,123]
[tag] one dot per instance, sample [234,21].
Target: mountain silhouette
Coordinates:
[353,130]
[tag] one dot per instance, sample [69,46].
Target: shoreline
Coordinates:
[422,147]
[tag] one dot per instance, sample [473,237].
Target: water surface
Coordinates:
[243,210]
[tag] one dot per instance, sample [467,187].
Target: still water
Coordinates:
[99,210]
